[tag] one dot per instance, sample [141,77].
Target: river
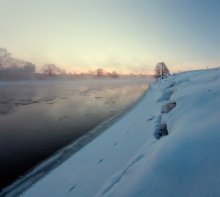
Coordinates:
[37,118]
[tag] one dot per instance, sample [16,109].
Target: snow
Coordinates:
[186,162]
[128,160]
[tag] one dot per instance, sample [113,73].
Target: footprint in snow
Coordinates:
[161,131]
[168,107]
[151,118]
[101,160]
[72,188]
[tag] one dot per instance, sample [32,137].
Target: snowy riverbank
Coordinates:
[136,157]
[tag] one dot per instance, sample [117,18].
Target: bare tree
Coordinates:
[49,69]
[114,74]
[12,68]
[99,72]
[28,70]
[161,70]
[4,56]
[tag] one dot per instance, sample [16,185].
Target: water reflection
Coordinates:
[36,119]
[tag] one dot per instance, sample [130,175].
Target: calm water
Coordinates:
[38,118]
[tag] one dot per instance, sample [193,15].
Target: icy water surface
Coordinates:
[38,118]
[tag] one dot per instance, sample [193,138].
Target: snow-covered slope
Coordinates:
[168,145]
[186,162]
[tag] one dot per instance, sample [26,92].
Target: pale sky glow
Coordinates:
[122,35]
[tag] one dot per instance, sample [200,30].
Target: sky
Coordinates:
[122,35]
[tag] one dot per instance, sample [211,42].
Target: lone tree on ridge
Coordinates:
[161,70]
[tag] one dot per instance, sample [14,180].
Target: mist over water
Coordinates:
[39,117]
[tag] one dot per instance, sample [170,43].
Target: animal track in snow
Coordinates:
[151,118]
[101,160]
[72,188]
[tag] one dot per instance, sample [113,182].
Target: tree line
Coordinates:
[14,69]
